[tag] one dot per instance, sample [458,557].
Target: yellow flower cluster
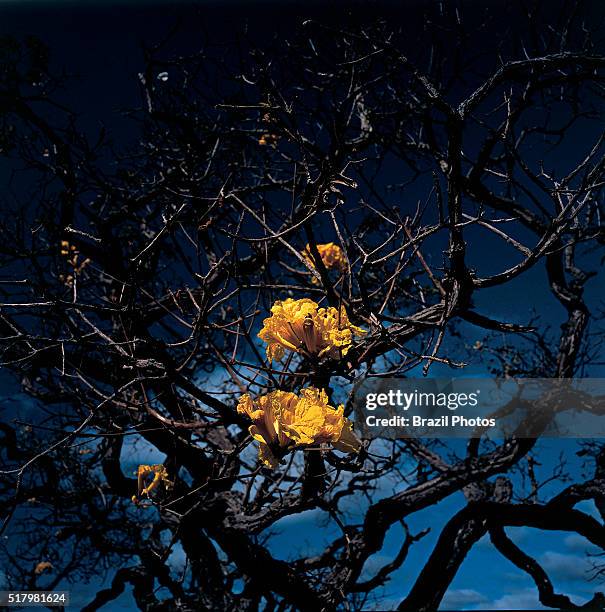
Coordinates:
[301,326]
[268,139]
[160,475]
[332,256]
[71,253]
[283,421]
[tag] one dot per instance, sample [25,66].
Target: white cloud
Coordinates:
[565,567]
[579,543]
[456,598]
[373,564]
[518,534]
[524,599]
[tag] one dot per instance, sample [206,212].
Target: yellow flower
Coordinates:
[331,255]
[160,475]
[301,326]
[71,253]
[42,567]
[268,139]
[283,421]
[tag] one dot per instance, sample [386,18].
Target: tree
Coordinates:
[347,167]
